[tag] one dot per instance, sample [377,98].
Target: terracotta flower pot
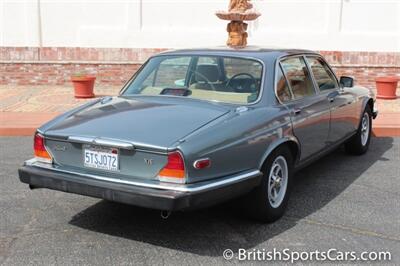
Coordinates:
[83,86]
[386,87]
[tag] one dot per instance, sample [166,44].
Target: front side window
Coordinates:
[212,78]
[323,75]
[299,78]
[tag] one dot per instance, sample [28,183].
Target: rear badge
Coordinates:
[148,161]
[60,148]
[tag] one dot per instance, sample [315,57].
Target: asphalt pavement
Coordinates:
[341,202]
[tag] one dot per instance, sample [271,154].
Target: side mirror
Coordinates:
[346,82]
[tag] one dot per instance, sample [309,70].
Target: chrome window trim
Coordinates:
[276,84]
[192,188]
[330,70]
[133,76]
[278,64]
[263,77]
[314,82]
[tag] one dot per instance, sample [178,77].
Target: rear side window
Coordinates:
[282,88]
[323,75]
[299,78]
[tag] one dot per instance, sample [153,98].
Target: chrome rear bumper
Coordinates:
[153,195]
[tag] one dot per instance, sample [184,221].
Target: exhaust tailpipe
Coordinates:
[165,214]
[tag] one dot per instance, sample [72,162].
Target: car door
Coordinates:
[310,113]
[341,102]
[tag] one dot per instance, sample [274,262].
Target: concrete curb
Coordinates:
[387,125]
[22,123]
[25,124]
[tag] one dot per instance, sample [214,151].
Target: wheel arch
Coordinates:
[290,141]
[369,101]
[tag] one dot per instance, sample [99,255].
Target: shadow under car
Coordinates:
[209,231]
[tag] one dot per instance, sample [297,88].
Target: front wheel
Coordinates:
[359,144]
[268,202]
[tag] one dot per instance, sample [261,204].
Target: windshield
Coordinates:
[213,78]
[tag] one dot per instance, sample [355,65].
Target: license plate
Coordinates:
[101,158]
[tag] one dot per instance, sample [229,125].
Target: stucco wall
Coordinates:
[339,25]
[45,41]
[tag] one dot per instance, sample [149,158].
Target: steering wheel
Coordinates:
[240,88]
[206,81]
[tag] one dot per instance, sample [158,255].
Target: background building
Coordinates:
[45,41]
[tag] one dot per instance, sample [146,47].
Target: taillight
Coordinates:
[174,170]
[40,150]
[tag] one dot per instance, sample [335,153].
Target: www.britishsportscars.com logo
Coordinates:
[288,255]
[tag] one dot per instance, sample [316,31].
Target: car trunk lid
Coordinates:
[140,130]
[143,122]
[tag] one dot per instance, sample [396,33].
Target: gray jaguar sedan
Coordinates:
[193,128]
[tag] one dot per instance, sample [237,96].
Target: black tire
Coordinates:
[355,145]
[258,202]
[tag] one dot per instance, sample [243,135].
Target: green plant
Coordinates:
[80,74]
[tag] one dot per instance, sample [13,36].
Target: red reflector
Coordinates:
[175,166]
[202,163]
[39,148]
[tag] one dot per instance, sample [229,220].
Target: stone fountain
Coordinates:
[238,12]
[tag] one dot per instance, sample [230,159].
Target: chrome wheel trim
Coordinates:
[365,128]
[277,181]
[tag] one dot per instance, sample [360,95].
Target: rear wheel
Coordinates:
[359,144]
[268,202]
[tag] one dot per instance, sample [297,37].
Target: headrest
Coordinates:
[207,73]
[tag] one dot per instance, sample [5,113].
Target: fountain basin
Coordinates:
[238,16]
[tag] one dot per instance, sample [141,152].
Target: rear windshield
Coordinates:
[213,78]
